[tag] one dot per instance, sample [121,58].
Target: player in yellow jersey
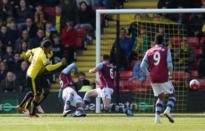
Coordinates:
[45,83]
[36,73]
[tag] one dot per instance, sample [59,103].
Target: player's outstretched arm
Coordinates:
[96,69]
[52,67]
[93,70]
[169,61]
[70,67]
[144,65]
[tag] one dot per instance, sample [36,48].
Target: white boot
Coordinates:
[157,119]
[168,115]
[40,109]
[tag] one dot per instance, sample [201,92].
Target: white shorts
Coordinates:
[159,88]
[69,94]
[104,92]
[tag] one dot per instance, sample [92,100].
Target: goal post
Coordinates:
[101,12]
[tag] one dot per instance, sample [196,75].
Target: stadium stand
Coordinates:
[24,24]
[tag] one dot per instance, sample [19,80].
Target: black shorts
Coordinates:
[38,84]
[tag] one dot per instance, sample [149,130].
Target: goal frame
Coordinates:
[99,12]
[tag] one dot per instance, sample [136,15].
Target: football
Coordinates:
[194,84]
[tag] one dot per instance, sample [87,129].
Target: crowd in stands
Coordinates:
[70,24]
[188,50]
[195,32]
[128,50]
[193,22]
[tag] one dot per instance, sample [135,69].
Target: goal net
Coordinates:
[134,30]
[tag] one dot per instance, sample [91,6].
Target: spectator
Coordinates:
[195,24]
[23,49]
[186,55]
[85,17]
[9,83]
[88,2]
[4,36]
[35,42]
[69,40]
[22,12]
[39,16]
[183,56]
[9,54]
[49,29]
[165,36]
[6,10]
[58,19]
[122,50]
[17,63]
[2,51]
[3,70]
[23,38]
[13,33]
[30,27]
[57,48]
[137,73]
[21,77]
[167,4]
[9,57]
[69,10]
[133,30]
[142,42]
[86,20]
[82,81]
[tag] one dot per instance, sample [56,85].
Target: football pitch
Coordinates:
[101,122]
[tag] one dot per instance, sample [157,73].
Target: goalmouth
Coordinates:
[130,11]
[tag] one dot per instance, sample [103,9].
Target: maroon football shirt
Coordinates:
[66,80]
[106,76]
[157,62]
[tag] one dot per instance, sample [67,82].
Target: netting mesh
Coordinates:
[142,28]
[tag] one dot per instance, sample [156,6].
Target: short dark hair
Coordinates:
[46,43]
[159,39]
[106,57]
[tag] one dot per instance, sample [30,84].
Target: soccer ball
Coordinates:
[194,84]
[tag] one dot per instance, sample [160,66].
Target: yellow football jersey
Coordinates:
[39,62]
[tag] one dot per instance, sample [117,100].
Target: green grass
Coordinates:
[101,122]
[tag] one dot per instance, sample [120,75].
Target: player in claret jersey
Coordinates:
[68,93]
[106,85]
[157,64]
